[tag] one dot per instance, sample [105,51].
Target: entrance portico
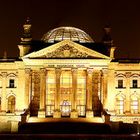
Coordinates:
[70,91]
[68,84]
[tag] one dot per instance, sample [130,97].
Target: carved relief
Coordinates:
[128,74]
[66,51]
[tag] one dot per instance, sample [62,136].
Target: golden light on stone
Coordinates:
[69,80]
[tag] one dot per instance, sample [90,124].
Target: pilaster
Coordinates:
[127,100]
[4,101]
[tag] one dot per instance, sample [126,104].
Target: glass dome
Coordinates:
[63,33]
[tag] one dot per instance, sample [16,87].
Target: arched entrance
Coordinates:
[11,104]
[65,108]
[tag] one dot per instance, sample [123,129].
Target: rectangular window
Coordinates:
[11,83]
[135,83]
[120,83]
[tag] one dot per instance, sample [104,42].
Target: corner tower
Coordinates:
[25,43]
[108,41]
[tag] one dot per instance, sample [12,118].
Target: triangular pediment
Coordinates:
[66,49]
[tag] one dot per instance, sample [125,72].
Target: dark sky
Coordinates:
[89,15]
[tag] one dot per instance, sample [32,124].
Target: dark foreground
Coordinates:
[67,136]
[72,130]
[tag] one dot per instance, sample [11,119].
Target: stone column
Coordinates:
[74,113]
[27,87]
[96,90]
[104,87]
[127,100]
[89,90]
[57,113]
[42,111]
[3,99]
[20,79]
[111,91]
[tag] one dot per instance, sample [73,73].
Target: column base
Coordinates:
[89,114]
[127,112]
[74,114]
[3,112]
[57,114]
[41,114]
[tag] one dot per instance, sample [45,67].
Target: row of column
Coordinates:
[57,114]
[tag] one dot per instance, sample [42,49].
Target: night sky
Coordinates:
[89,15]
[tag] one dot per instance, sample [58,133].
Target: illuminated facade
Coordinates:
[67,74]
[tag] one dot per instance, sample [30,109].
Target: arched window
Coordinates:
[134,104]
[120,81]
[11,80]
[134,80]
[119,105]
[11,104]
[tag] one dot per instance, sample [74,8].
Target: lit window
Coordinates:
[120,105]
[120,83]
[134,105]
[135,83]
[11,104]
[11,83]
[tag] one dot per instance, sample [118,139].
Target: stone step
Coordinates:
[94,119]
[64,126]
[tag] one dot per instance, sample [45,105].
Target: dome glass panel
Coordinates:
[63,33]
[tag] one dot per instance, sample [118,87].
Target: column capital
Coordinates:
[89,70]
[58,71]
[104,71]
[27,70]
[43,71]
[74,70]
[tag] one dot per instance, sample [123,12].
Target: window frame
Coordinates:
[134,85]
[120,82]
[11,84]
